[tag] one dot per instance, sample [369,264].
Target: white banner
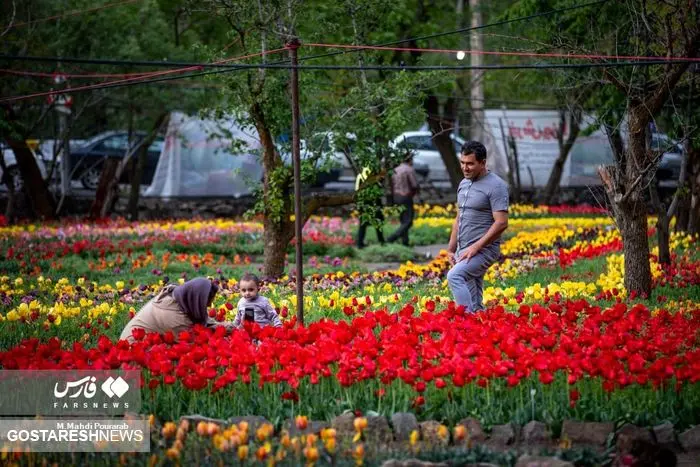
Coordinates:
[535,136]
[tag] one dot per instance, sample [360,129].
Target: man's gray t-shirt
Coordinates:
[476,202]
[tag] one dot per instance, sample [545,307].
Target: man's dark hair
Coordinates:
[476,148]
[249,277]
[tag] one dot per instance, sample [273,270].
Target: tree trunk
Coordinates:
[440,125]
[631,217]
[518,186]
[630,211]
[664,238]
[683,216]
[135,190]
[276,239]
[624,189]
[665,216]
[279,231]
[10,208]
[109,169]
[9,182]
[694,218]
[693,222]
[662,225]
[564,149]
[34,185]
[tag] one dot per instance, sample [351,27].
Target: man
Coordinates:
[405,187]
[482,216]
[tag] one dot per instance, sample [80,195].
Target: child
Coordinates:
[176,308]
[253,307]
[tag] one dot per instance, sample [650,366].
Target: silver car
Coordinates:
[426,153]
[12,167]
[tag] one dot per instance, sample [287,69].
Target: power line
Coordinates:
[142,80]
[309,57]
[73,75]
[135,76]
[106,61]
[282,62]
[132,80]
[220,64]
[507,54]
[70,13]
[461,30]
[229,68]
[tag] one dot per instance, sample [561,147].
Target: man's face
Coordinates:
[471,168]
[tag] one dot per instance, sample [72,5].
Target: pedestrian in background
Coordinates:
[405,187]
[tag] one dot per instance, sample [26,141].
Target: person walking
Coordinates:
[405,187]
[482,217]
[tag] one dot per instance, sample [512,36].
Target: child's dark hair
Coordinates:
[250,277]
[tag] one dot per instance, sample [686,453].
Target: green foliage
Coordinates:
[134,31]
[387,253]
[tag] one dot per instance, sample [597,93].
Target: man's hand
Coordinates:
[451,257]
[471,250]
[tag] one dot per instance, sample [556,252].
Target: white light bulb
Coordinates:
[461,55]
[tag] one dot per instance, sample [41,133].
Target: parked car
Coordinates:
[668,172]
[12,167]
[87,160]
[327,143]
[426,153]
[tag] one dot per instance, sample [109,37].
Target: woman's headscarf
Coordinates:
[193,297]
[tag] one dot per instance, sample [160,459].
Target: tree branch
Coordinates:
[656,101]
[315,201]
[615,81]
[560,130]
[12,19]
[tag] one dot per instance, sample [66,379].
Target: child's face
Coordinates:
[249,289]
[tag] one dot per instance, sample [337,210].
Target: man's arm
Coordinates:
[413,181]
[452,246]
[499,225]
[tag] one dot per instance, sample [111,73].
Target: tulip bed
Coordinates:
[561,339]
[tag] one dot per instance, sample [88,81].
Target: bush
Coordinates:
[389,253]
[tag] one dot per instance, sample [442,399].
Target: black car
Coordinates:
[86,161]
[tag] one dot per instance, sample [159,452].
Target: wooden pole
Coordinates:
[293,45]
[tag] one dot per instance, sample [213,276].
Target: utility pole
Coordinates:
[63,113]
[459,13]
[477,84]
[293,45]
